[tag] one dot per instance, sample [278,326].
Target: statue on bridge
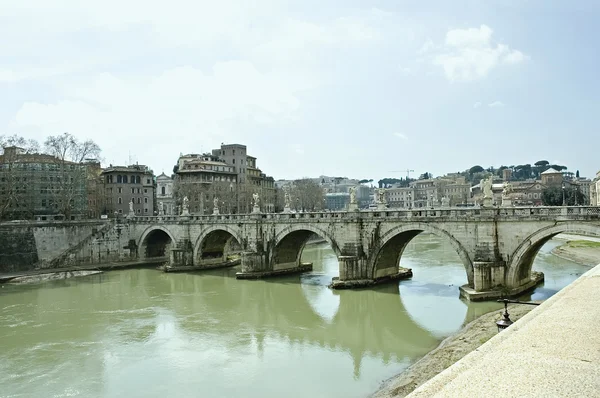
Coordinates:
[131,212]
[215,206]
[352,191]
[381,195]
[507,189]
[161,208]
[256,201]
[486,187]
[286,201]
[185,206]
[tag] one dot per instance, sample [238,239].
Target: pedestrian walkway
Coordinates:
[554,351]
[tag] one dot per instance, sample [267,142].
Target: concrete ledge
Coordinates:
[553,351]
[201,267]
[305,267]
[473,295]
[403,273]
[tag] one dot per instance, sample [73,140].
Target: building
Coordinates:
[337,201]
[595,191]
[165,196]
[94,188]
[42,187]
[227,176]
[202,178]
[552,177]
[128,184]
[429,192]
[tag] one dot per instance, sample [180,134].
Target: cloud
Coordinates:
[477,105]
[402,136]
[496,104]
[470,54]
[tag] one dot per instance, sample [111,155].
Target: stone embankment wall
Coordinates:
[30,245]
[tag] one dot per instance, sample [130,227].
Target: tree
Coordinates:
[425,176]
[69,186]
[553,196]
[541,163]
[476,169]
[13,183]
[307,195]
[577,174]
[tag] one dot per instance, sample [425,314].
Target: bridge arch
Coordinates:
[156,241]
[216,241]
[385,259]
[289,243]
[521,261]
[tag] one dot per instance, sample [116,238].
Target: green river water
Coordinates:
[144,333]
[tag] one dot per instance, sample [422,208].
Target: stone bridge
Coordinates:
[496,245]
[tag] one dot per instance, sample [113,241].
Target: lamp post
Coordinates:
[505,322]
[409,201]
[563,190]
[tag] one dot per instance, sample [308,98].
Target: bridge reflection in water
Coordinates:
[147,333]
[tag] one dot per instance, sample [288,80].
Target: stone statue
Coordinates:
[131,206]
[286,197]
[186,204]
[255,199]
[161,208]
[507,189]
[352,195]
[445,201]
[216,202]
[381,195]
[486,186]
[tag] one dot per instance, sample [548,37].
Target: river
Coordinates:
[143,333]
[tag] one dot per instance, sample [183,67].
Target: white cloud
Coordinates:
[496,104]
[426,47]
[477,105]
[402,136]
[470,54]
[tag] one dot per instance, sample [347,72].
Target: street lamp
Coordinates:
[563,190]
[409,201]
[505,322]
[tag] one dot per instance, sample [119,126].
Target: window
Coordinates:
[132,190]
[139,200]
[120,211]
[139,190]
[147,181]
[233,161]
[119,190]
[119,179]
[145,200]
[145,190]
[139,211]
[233,152]
[145,210]
[162,191]
[119,201]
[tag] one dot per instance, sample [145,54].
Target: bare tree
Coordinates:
[14,151]
[307,195]
[69,185]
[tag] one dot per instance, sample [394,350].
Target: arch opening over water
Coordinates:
[522,260]
[217,244]
[156,244]
[290,244]
[387,258]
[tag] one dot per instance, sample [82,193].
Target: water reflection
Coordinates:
[145,333]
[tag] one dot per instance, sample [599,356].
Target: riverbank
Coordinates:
[582,251]
[449,351]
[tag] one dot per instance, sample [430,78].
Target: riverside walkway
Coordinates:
[554,351]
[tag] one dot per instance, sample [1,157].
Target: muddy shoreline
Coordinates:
[472,335]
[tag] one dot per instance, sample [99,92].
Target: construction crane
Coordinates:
[407,171]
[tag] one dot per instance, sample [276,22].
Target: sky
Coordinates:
[363,89]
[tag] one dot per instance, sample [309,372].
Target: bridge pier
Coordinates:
[257,266]
[355,273]
[489,282]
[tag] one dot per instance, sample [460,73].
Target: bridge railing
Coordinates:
[391,213]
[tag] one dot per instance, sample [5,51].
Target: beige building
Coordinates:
[429,193]
[128,184]
[595,191]
[165,196]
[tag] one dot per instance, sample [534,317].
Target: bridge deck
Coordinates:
[552,351]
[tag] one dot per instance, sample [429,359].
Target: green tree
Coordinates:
[476,169]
